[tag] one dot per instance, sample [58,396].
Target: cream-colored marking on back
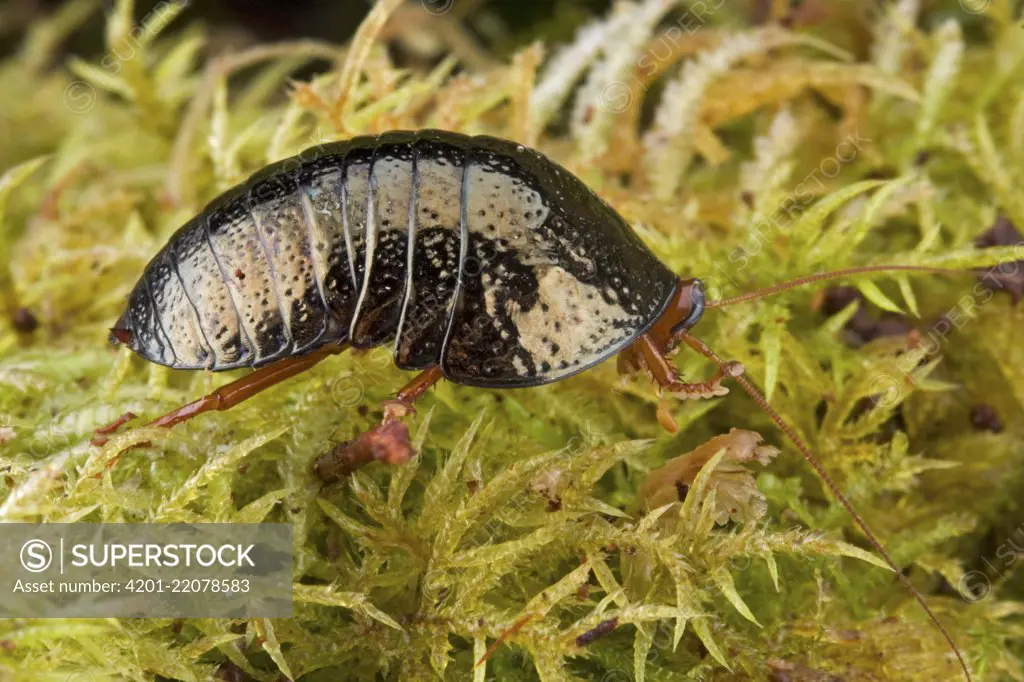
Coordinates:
[438,194]
[316,257]
[563,332]
[438,205]
[388,212]
[502,207]
[559,331]
[282,226]
[393,180]
[331,245]
[240,253]
[208,292]
[188,339]
[179,320]
[357,206]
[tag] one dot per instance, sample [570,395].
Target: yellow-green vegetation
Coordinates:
[745,154]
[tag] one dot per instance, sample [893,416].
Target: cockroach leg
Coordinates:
[387,442]
[706,389]
[402,404]
[665,418]
[668,379]
[116,424]
[103,431]
[229,395]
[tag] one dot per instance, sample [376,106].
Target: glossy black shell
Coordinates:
[474,253]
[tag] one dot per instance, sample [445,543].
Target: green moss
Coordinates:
[748,164]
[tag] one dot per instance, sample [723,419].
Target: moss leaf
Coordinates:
[723,579]
[329,595]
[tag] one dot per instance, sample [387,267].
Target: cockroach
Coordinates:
[478,259]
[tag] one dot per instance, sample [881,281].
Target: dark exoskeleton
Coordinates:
[472,254]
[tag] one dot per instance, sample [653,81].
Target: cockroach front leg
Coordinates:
[668,379]
[387,442]
[665,375]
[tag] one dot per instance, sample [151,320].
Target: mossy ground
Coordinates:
[744,155]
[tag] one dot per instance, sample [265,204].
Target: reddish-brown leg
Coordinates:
[668,379]
[402,404]
[387,442]
[228,396]
[231,394]
[649,351]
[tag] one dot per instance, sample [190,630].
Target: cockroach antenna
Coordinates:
[702,348]
[824,277]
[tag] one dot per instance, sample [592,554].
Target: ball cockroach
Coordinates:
[480,260]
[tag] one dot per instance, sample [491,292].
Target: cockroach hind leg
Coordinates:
[240,390]
[100,439]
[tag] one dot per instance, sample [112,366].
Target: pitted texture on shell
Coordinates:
[357,205]
[205,288]
[325,213]
[147,336]
[554,281]
[436,239]
[245,268]
[176,313]
[477,254]
[387,237]
[277,209]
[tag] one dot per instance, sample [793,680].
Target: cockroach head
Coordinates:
[694,291]
[683,311]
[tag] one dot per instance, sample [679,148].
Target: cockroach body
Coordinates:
[472,254]
[482,261]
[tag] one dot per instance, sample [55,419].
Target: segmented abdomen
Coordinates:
[311,251]
[472,253]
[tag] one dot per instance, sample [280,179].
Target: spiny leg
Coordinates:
[387,442]
[237,391]
[668,379]
[646,351]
